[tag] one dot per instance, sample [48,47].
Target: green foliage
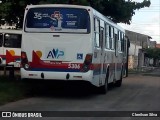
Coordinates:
[153,53]
[117,10]
[120,10]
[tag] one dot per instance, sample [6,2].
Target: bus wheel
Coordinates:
[104,89]
[119,82]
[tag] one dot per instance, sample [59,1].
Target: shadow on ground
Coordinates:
[62,89]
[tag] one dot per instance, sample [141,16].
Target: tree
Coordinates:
[153,53]
[12,11]
[116,10]
[120,10]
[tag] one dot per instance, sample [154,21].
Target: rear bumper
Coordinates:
[40,75]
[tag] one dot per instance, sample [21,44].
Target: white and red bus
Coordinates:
[10,47]
[71,42]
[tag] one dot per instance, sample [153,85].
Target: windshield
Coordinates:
[12,40]
[57,20]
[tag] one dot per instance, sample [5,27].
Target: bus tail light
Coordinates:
[24,60]
[87,65]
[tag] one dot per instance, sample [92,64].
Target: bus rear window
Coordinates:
[12,40]
[57,20]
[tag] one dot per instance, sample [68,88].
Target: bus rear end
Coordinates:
[56,43]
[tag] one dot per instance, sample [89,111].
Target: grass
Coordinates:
[12,90]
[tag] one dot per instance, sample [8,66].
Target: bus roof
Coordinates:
[58,5]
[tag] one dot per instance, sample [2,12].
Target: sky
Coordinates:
[146,21]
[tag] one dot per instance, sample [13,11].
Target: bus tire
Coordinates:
[119,82]
[104,89]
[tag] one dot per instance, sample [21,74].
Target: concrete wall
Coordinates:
[133,56]
[134,49]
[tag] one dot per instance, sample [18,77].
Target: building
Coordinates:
[157,45]
[139,39]
[153,44]
[138,42]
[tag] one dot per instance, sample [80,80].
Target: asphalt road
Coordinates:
[138,93]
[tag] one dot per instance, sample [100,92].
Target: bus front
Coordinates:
[57,43]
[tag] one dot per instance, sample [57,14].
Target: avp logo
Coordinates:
[55,53]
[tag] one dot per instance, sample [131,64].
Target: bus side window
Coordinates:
[97,32]
[116,44]
[107,36]
[113,37]
[1,39]
[110,38]
[122,42]
[119,41]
